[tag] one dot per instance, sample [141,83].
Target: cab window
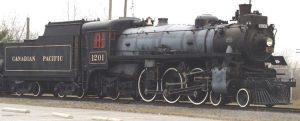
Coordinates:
[99,38]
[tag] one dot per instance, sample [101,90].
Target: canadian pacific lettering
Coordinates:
[53,58]
[23,58]
[37,58]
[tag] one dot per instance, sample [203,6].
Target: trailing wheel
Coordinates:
[199,96]
[36,89]
[216,99]
[98,85]
[243,97]
[19,89]
[171,79]
[144,85]
[99,93]
[115,91]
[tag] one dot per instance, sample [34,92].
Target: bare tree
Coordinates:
[14,31]
[72,10]
[3,33]
[292,70]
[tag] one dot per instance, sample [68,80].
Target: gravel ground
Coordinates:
[41,113]
[202,111]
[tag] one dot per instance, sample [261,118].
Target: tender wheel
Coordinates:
[80,93]
[60,90]
[61,95]
[216,99]
[55,94]
[116,95]
[199,96]
[19,89]
[36,89]
[142,88]
[171,75]
[243,97]
[19,93]
[269,105]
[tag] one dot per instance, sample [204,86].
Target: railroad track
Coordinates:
[275,109]
[181,104]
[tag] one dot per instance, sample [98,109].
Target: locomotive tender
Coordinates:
[209,61]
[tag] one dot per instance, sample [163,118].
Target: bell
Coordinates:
[149,22]
[229,49]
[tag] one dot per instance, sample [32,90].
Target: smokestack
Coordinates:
[27,28]
[110,9]
[125,8]
[245,9]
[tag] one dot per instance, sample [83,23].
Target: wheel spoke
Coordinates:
[36,90]
[216,99]
[80,93]
[199,96]
[116,95]
[115,91]
[97,79]
[243,97]
[143,88]
[19,93]
[99,91]
[171,75]
[60,90]
[19,89]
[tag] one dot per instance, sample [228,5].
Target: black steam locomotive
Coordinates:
[209,61]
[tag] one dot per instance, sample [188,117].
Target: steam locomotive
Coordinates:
[211,61]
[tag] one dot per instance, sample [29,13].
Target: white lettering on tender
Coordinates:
[53,58]
[23,58]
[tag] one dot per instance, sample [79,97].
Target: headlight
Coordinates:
[269,41]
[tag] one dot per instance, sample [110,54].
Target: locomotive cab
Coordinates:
[100,38]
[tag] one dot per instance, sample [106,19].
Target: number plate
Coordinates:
[262,26]
[98,57]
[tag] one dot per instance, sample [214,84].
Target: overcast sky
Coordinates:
[283,13]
